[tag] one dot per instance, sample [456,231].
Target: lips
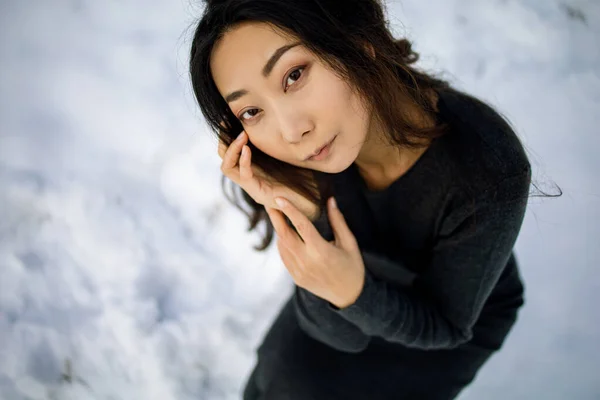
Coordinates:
[319,149]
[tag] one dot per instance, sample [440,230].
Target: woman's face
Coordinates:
[288,102]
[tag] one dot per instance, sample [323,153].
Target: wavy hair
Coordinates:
[340,34]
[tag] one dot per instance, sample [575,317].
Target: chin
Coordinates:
[335,166]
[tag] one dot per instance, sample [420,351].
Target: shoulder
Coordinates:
[481,151]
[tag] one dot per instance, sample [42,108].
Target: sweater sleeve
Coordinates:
[319,321]
[473,246]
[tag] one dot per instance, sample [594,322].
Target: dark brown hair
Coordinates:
[341,34]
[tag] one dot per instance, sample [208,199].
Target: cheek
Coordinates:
[338,102]
[260,143]
[332,96]
[359,113]
[269,147]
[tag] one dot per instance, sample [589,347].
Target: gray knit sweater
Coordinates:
[436,243]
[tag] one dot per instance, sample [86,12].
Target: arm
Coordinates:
[319,319]
[315,316]
[473,247]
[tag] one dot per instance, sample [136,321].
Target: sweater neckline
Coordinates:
[417,166]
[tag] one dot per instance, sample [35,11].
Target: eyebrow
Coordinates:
[266,71]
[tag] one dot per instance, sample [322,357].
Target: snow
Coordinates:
[124,272]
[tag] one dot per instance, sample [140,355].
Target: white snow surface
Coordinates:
[125,273]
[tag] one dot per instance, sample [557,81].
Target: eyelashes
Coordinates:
[241,117]
[292,72]
[286,79]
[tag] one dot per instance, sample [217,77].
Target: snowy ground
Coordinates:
[125,274]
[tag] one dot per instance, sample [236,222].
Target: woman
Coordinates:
[410,284]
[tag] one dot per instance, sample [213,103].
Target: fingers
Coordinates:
[232,154]
[341,231]
[287,236]
[305,228]
[239,154]
[246,164]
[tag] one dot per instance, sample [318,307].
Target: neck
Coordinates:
[379,157]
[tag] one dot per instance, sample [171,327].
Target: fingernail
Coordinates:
[280,202]
[333,203]
[240,135]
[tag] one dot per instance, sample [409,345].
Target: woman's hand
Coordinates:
[259,185]
[334,270]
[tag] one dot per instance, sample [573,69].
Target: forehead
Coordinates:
[242,53]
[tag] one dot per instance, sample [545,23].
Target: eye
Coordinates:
[251,111]
[295,75]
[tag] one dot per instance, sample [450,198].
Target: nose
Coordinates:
[292,123]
